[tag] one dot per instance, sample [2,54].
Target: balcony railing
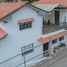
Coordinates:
[48,28]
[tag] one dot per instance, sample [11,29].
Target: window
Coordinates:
[5,21]
[25,26]
[27,49]
[25,23]
[61,38]
[54,41]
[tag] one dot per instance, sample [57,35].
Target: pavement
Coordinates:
[58,60]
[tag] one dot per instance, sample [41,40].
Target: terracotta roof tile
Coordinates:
[26,20]
[62,2]
[2,33]
[8,7]
[44,40]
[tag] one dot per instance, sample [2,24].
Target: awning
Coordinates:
[47,7]
[54,36]
[2,33]
[43,40]
[26,20]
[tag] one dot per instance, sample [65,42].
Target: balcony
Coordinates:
[48,28]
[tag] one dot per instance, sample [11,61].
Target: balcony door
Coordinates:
[57,17]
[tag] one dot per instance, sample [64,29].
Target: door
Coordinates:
[57,16]
[45,48]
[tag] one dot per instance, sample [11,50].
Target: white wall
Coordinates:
[51,46]
[51,16]
[57,44]
[11,45]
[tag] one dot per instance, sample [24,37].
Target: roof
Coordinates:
[62,2]
[54,36]
[8,7]
[2,33]
[47,7]
[26,20]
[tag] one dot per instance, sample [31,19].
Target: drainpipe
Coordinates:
[50,49]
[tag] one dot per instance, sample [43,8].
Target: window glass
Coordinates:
[25,26]
[54,41]
[61,38]
[27,49]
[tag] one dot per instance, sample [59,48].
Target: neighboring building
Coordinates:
[23,24]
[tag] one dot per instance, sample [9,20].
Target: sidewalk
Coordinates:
[55,58]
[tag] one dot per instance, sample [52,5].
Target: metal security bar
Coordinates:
[14,62]
[53,27]
[45,52]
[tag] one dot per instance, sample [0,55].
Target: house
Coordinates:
[57,16]
[29,28]
[20,26]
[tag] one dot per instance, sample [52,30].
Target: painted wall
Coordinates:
[51,16]
[11,45]
[51,46]
[57,44]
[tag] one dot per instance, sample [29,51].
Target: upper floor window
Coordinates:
[61,38]
[25,26]
[25,23]
[54,41]
[5,21]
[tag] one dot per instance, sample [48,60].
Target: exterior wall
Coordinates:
[51,16]
[57,44]
[51,46]
[62,15]
[11,45]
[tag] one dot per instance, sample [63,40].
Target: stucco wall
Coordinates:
[11,45]
[51,16]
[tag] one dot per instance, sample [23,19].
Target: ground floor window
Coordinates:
[61,38]
[54,41]
[62,45]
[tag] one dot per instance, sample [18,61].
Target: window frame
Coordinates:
[27,49]
[54,41]
[25,25]
[61,38]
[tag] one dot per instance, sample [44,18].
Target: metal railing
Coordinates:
[11,62]
[55,58]
[46,53]
[19,60]
[53,27]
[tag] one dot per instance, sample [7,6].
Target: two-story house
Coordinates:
[54,23]
[24,26]
[20,25]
